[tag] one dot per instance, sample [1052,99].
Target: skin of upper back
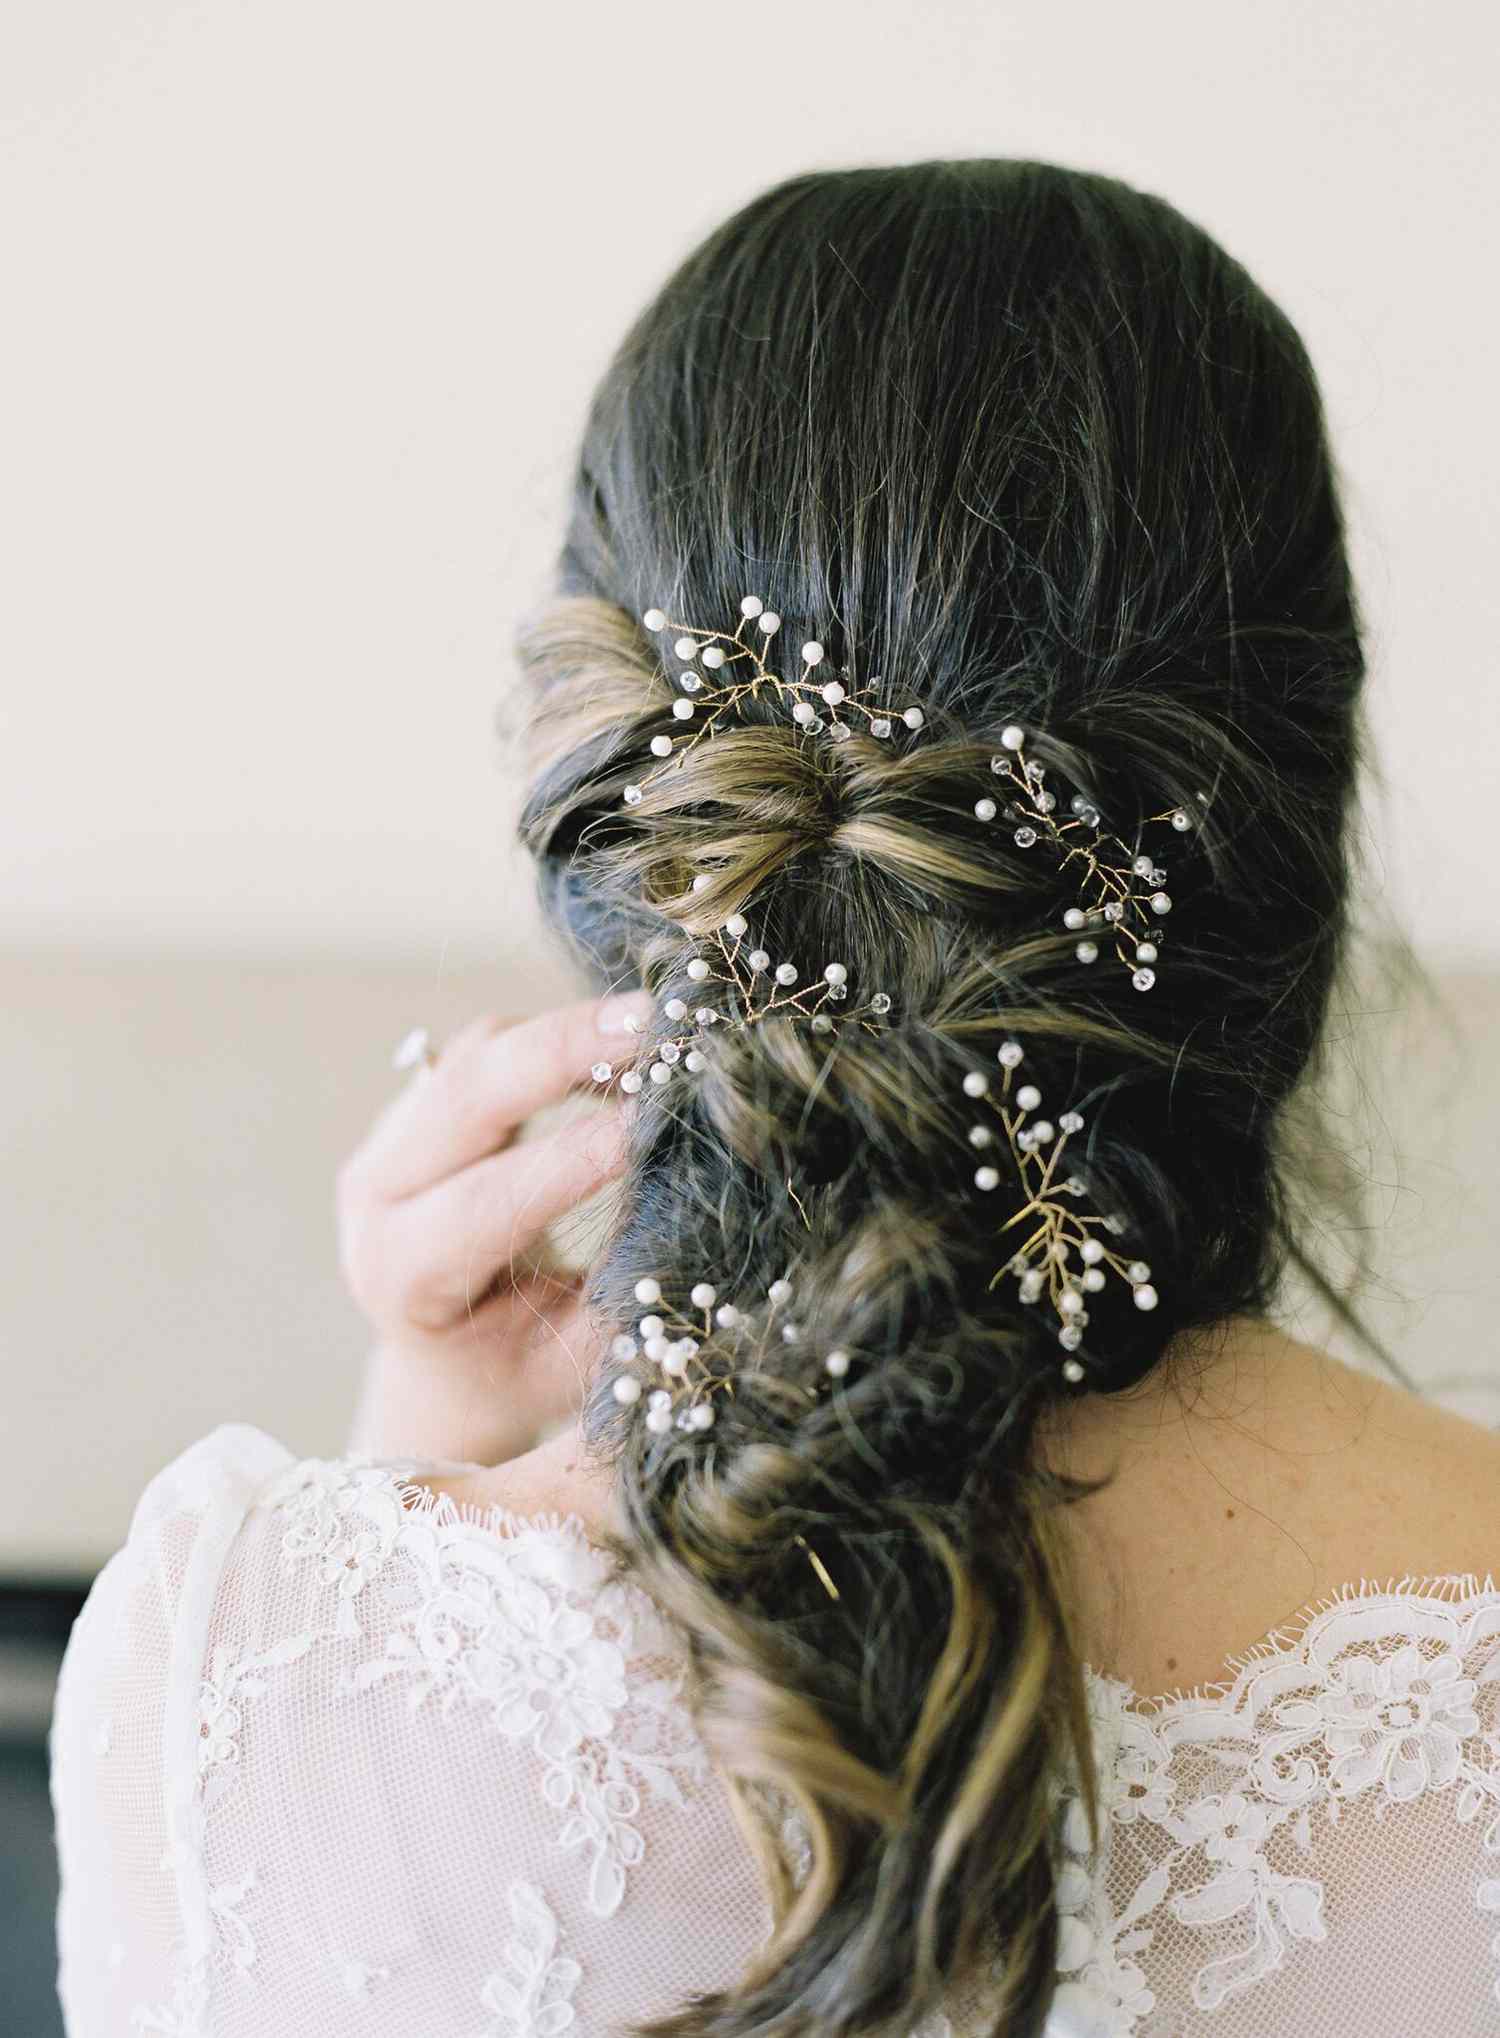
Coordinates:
[1254,1474]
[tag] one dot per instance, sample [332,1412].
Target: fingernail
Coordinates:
[615,1014]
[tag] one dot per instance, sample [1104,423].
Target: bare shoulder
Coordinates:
[557,1477]
[1279,1478]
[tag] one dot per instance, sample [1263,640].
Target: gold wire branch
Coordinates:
[757,992]
[1044,1260]
[673,1340]
[1109,883]
[818,704]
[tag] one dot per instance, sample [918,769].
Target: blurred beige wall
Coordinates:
[302,306]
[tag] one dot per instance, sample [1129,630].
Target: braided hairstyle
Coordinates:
[1029,444]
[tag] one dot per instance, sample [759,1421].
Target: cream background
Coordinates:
[302,305]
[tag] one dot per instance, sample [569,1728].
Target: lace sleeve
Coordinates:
[332,1754]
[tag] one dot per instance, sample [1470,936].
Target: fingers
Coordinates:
[487,1081]
[442,1250]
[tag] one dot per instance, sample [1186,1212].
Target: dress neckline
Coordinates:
[1452,1591]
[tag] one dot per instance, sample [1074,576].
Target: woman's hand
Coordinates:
[481,1348]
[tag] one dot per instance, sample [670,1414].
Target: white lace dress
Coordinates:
[332,1757]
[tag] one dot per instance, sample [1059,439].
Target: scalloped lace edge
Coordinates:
[1446,1588]
[1287,1637]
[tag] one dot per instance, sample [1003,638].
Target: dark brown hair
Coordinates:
[1033,447]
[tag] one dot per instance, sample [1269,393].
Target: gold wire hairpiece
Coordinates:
[673,1339]
[1043,1261]
[1108,883]
[750,990]
[817,705]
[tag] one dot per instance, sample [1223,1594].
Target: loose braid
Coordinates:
[1004,430]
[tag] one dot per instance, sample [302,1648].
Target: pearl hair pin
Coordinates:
[1043,1263]
[1120,891]
[674,1340]
[739,986]
[821,701]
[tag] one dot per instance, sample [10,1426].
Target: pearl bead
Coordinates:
[1074,918]
[1143,866]
[770,622]
[837,1363]
[913,717]
[650,1326]
[786,972]
[1010,1054]
[701,1415]
[751,605]
[1182,820]
[670,1053]
[686,647]
[726,1316]
[683,710]
[1143,979]
[881,1002]
[697,969]
[1071,1121]
[661,746]
[1070,1336]
[675,1008]
[647,1289]
[986,1178]
[812,652]
[1012,736]
[1025,836]
[981,1135]
[659,1072]
[714,656]
[833,693]
[601,1071]
[821,1023]
[654,619]
[1028,1096]
[805,713]
[1087,951]
[759,959]
[1139,1271]
[622,1347]
[672,1362]
[1160,903]
[1072,1370]
[1145,1296]
[790,1332]
[1093,1279]
[691,683]
[703,1295]
[986,809]
[780,1291]
[1032,1285]
[880,727]
[627,1389]
[976,1083]
[630,1082]
[1070,1302]
[1091,1252]
[659,1420]
[736,925]
[694,1061]
[1145,951]
[836,973]
[632,795]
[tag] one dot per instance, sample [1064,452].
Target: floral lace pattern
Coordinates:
[1386,1694]
[393,1627]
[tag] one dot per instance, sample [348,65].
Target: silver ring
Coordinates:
[415,1050]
